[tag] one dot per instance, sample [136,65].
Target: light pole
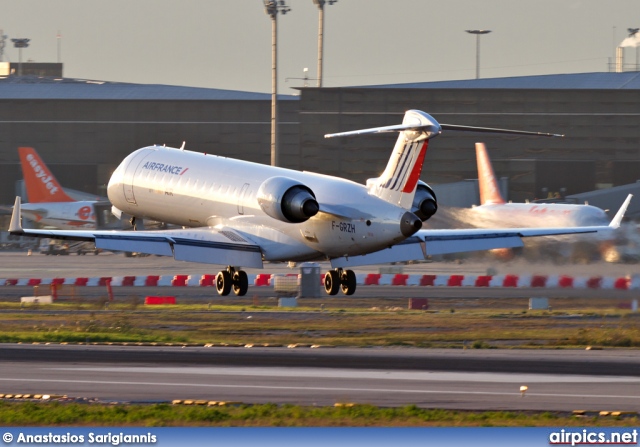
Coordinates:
[478,32]
[3,38]
[320,4]
[59,40]
[20,44]
[272,8]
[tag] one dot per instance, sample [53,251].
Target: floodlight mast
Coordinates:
[320,4]
[59,40]
[478,32]
[20,44]
[3,39]
[272,8]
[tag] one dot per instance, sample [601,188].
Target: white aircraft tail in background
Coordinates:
[494,210]
[240,214]
[487,181]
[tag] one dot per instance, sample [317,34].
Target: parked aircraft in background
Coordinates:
[241,214]
[50,205]
[494,210]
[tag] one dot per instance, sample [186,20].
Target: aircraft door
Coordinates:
[129,173]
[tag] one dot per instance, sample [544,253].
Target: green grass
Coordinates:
[268,415]
[345,323]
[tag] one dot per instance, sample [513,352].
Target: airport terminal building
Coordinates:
[83,129]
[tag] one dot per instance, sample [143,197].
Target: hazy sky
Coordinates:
[227,43]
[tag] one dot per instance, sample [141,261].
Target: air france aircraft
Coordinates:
[240,214]
[493,207]
[50,205]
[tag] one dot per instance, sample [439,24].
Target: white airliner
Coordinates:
[50,205]
[240,214]
[494,210]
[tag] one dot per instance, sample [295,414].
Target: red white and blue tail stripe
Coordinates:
[398,182]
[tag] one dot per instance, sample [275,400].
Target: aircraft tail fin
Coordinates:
[398,182]
[41,185]
[487,182]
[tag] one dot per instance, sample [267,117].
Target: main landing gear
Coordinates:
[232,279]
[340,279]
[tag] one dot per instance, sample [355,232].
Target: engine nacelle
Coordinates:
[287,200]
[425,203]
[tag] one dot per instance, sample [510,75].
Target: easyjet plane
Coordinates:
[494,210]
[50,205]
[240,214]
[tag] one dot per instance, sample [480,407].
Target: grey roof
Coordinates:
[593,81]
[36,87]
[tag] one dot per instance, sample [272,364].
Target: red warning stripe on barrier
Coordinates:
[160,300]
[369,279]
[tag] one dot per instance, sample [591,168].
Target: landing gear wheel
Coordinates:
[348,282]
[331,282]
[240,283]
[223,283]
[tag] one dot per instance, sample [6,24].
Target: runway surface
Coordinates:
[455,379]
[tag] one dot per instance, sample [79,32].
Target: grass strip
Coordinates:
[271,415]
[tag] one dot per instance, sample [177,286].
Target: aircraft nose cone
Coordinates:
[410,224]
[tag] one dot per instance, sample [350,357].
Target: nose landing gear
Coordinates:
[232,279]
[337,279]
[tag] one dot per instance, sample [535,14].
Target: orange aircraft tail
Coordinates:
[489,190]
[41,185]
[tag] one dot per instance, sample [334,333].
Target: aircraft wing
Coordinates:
[205,244]
[437,242]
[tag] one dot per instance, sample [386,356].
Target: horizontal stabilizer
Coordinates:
[494,130]
[384,129]
[414,120]
[423,122]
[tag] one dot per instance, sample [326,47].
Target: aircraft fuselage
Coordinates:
[193,189]
[63,215]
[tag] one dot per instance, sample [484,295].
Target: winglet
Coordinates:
[15,226]
[617,219]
